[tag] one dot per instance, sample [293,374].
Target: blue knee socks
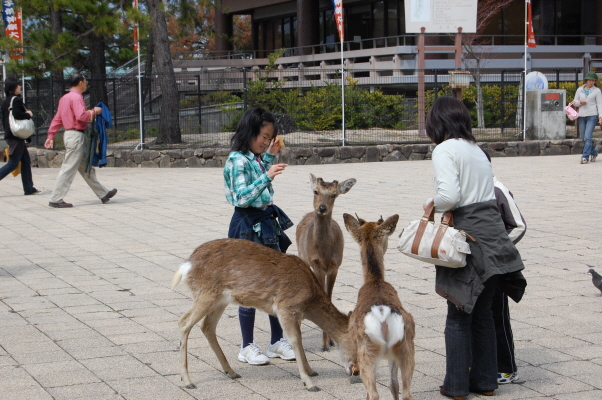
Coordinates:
[246,317]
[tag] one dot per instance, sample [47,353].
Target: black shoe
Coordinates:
[108,196]
[62,204]
[35,191]
[444,393]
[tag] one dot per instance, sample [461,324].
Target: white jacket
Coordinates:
[593,105]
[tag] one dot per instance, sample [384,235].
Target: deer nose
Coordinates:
[322,208]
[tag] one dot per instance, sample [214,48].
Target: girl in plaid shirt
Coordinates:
[248,185]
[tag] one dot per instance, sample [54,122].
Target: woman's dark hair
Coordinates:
[249,126]
[76,78]
[10,85]
[449,118]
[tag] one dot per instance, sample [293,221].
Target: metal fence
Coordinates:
[380,105]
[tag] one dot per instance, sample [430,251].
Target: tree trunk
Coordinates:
[169,121]
[148,67]
[98,73]
[58,80]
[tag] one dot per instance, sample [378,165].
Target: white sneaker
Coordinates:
[281,349]
[253,355]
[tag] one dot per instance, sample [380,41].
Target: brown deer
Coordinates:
[239,271]
[320,239]
[379,325]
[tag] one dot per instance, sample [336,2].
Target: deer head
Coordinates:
[325,193]
[376,233]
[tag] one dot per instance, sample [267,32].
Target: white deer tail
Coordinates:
[180,274]
[383,326]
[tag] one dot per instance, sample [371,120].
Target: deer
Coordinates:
[225,271]
[379,325]
[320,239]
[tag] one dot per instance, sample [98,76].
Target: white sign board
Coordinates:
[441,16]
[536,81]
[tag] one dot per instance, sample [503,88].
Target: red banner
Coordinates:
[338,18]
[135,5]
[530,33]
[14,26]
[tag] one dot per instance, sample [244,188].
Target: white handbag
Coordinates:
[440,245]
[21,128]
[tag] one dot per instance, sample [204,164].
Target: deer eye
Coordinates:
[334,196]
[316,192]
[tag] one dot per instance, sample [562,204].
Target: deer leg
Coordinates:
[367,358]
[186,322]
[329,287]
[394,384]
[208,327]
[318,270]
[406,361]
[293,334]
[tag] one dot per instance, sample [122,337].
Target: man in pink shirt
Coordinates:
[72,115]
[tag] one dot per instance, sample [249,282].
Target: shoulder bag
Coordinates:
[435,244]
[21,128]
[570,112]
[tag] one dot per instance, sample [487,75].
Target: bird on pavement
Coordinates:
[596,279]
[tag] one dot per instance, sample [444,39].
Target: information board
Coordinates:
[441,16]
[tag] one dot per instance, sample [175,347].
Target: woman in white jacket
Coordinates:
[588,99]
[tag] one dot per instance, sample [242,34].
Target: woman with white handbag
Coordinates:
[17,147]
[464,185]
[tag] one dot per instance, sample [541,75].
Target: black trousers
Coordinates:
[503,331]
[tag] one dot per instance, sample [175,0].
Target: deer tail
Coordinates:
[180,274]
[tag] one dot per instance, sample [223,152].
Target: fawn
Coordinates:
[379,325]
[240,271]
[320,239]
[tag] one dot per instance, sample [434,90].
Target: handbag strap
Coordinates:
[447,221]
[429,216]
[10,107]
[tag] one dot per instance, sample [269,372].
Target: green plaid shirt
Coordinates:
[246,181]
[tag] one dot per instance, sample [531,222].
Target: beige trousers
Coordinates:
[74,162]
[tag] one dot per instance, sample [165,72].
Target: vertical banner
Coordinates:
[338,18]
[135,5]
[14,26]
[530,33]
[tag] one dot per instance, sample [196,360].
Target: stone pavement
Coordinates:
[86,310]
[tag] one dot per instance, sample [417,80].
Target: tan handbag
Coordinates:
[435,244]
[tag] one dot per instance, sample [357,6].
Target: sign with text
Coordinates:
[441,16]
[14,26]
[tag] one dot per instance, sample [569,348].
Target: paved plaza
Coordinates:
[86,310]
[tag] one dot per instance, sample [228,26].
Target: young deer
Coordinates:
[320,239]
[379,325]
[239,271]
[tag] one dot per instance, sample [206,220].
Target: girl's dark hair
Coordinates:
[449,118]
[249,126]
[10,85]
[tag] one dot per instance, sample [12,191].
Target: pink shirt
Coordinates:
[71,114]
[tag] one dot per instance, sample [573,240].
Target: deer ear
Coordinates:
[351,223]
[346,185]
[313,181]
[390,224]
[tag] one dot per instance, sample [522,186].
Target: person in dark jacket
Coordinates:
[464,184]
[515,227]
[17,147]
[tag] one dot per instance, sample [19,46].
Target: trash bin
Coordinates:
[545,114]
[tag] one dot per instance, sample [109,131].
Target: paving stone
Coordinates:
[87,311]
